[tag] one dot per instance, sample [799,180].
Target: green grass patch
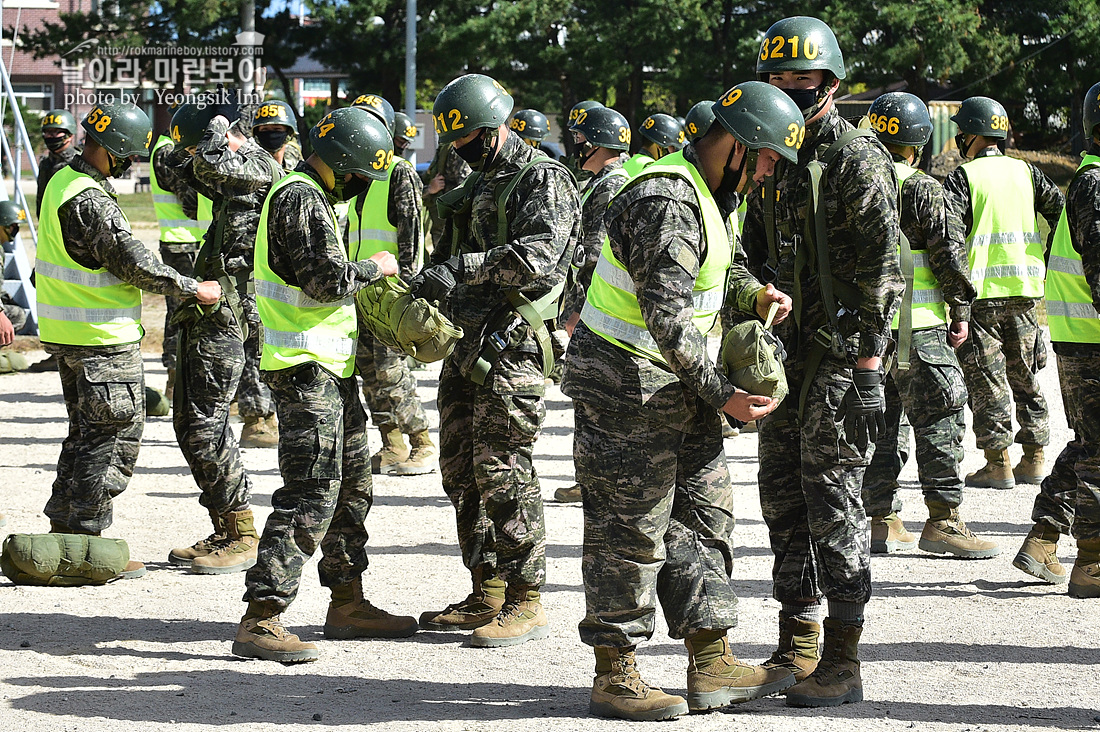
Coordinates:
[138,207]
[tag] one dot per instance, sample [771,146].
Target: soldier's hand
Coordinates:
[436,185]
[387,262]
[571,324]
[765,296]
[958,333]
[209,292]
[748,407]
[7,330]
[438,281]
[863,408]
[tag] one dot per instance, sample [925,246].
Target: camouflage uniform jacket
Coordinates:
[544,220]
[96,234]
[931,225]
[403,211]
[593,231]
[305,249]
[171,179]
[1048,199]
[655,228]
[1083,218]
[860,200]
[49,164]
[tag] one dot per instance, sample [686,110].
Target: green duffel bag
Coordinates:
[409,324]
[62,560]
[752,358]
[156,404]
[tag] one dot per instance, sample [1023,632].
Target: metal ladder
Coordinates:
[16,266]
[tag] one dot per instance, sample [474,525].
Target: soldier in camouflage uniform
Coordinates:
[647,401]
[59,134]
[11,216]
[89,268]
[491,388]
[1070,495]
[928,388]
[814,450]
[304,287]
[446,172]
[997,199]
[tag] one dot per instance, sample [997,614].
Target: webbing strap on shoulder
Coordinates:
[905,317]
[504,195]
[769,226]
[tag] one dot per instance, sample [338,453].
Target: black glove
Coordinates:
[435,283]
[863,408]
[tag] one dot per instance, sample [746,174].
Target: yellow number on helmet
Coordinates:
[148,139]
[581,116]
[381,160]
[649,122]
[809,49]
[498,86]
[103,123]
[22,215]
[792,139]
[440,123]
[456,119]
[624,135]
[731,98]
[93,116]
[176,133]
[411,131]
[893,126]
[325,126]
[680,137]
[692,128]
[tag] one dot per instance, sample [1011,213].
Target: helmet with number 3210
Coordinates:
[982,116]
[800,43]
[470,103]
[759,115]
[121,129]
[900,118]
[352,140]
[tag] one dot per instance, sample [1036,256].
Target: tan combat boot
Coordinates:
[1038,556]
[262,635]
[257,433]
[997,472]
[479,608]
[572,494]
[393,452]
[1084,580]
[422,458]
[836,679]
[184,557]
[350,615]
[619,692]
[889,535]
[946,533]
[798,646]
[715,678]
[236,552]
[1030,469]
[170,385]
[521,619]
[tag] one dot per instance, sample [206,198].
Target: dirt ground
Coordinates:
[949,645]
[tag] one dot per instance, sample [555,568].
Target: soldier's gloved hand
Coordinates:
[435,283]
[863,408]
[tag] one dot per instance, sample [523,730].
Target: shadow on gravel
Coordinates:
[36,420]
[980,715]
[21,397]
[553,551]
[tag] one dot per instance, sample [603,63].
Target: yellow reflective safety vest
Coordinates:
[369,227]
[612,310]
[175,227]
[928,306]
[298,329]
[1070,314]
[622,176]
[78,306]
[636,164]
[1004,246]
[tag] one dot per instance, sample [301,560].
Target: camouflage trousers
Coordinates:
[253,395]
[1070,495]
[211,357]
[486,442]
[104,389]
[326,492]
[180,257]
[389,386]
[811,480]
[1000,361]
[930,397]
[658,516]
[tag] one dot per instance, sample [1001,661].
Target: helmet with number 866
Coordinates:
[900,118]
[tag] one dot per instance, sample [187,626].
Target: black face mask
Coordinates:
[342,191]
[400,148]
[960,142]
[53,144]
[804,99]
[119,166]
[473,152]
[272,140]
[731,180]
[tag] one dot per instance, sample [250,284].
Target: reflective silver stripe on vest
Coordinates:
[923,297]
[1006,270]
[176,223]
[1055,309]
[290,296]
[76,276]
[165,198]
[618,329]
[920,258]
[372,235]
[89,315]
[310,342]
[1006,237]
[1066,265]
[619,279]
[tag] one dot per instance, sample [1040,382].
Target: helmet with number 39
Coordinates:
[759,115]
[982,116]
[352,140]
[664,130]
[121,129]
[470,103]
[800,43]
[900,118]
[603,127]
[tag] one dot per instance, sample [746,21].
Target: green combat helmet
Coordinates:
[759,115]
[470,103]
[699,119]
[379,107]
[11,213]
[530,124]
[1090,111]
[275,112]
[409,324]
[352,140]
[189,123]
[900,118]
[663,130]
[59,119]
[404,127]
[603,127]
[800,43]
[982,116]
[585,106]
[121,129]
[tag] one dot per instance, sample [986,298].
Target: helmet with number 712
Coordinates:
[352,140]
[603,127]
[982,116]
[470,103]
[759,115]
[800,43]
[121,129]
[900,118]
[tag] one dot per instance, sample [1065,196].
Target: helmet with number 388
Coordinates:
[121,129]
[800,43]
[982,116]
[470,103]
[352,140]
[900,118]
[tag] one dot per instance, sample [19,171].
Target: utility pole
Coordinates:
[248,25]
[410,63]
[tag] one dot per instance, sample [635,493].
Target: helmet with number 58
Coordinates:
[121,129]
[352,140]
[470,103]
